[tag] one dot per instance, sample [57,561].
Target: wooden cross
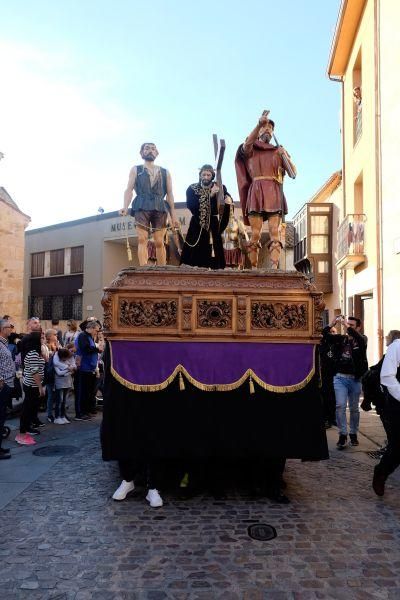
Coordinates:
[219,151]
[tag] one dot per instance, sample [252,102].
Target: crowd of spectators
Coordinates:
[62,370]
[50,370]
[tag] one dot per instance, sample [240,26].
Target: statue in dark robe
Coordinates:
[203,244]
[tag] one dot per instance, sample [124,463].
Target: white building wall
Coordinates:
[390,136]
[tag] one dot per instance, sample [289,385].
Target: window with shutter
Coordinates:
[37,264]
[57,262]
[77,259]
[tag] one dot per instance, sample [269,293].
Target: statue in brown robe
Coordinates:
[260,169]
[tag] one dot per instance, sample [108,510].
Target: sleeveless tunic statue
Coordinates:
[150,197]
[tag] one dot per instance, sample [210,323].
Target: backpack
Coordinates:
[49,371]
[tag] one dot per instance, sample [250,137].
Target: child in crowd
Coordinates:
[64,366]
[72,348]
[49,348]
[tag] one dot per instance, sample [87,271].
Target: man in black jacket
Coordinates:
[350,364]
[327,369]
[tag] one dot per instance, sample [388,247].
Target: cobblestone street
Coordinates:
[63,537]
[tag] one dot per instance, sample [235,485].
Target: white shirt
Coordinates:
[390,365]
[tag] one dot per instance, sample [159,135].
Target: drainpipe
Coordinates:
[378,176]
[344,279]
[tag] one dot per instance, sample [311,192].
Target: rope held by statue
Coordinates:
[128,248]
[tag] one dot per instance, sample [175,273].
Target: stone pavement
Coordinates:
[62,537]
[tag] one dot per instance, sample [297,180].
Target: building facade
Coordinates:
[364,54]
[316,243]
[13,223]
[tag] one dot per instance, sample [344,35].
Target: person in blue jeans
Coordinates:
[350,363]
[87,352]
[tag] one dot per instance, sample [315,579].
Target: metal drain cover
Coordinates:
[262,532]
[56,451]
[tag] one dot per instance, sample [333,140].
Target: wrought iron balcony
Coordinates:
[351,242]
[358,125]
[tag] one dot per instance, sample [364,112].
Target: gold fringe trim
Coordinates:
[218,387]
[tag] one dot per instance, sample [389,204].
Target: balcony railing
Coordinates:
[351,241]
[358,125]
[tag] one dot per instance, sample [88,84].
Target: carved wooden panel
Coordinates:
[107,306]
[319,306]
[279,315]
[210,282]
[147,312]
[241,313]
[187,303]
[214,314]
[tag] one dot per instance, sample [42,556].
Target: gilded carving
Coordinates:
[147,313]
[214,314]
[241,313]
[120,280]
[187,303]
[182,303]
[279,315]
[106,302]
[243,283]
[319,306]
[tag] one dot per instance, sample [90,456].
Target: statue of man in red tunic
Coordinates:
[260,169]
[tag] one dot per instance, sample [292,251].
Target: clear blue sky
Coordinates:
[88,81]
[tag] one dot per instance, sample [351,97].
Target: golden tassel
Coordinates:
[251,385]
[181,383]
[128,250]
[185,481]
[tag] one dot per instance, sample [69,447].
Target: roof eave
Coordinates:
[347,24]
[327,188]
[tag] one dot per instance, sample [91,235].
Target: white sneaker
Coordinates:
[124,489]
[59,421]
[154,498]
[65,420]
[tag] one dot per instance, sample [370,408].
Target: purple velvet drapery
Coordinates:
[224,365]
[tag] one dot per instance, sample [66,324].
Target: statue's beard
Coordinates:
[149,157]
[205,182]
[266,137]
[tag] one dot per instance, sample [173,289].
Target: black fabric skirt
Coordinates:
[195,424]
